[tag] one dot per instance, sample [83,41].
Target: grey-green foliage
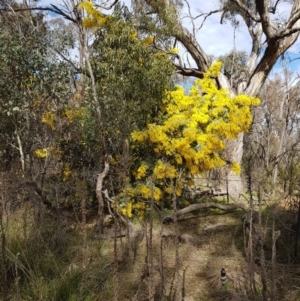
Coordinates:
[231,10]
[234,66]
[161,18]
[30,84]
[131,77]
[61,37]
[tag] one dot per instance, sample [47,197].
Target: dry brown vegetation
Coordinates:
[64,259]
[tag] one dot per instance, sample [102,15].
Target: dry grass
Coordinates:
[202,255]
[206,243]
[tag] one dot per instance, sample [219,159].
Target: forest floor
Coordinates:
[59,261]
[206,244]
[191,255]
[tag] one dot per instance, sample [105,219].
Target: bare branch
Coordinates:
[287,33]
[106,7]
[62,13]
[99,186]
[40,193]
[78,70]
[191,17]
[207,15]
[181,69]
[55,10]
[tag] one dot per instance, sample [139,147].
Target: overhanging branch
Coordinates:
[189,71]
[53,9]
[106,7]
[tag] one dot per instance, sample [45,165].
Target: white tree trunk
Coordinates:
[235,149]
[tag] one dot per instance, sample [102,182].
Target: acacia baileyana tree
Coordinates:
[186,140]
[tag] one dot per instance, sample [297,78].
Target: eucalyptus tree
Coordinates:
[21,52]
[35,88]
[131,78]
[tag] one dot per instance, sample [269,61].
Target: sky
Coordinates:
[218,39]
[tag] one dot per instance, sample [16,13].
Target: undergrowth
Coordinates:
[56,258]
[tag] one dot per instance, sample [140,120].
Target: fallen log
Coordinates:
[194,207]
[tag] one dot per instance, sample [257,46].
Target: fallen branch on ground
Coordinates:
[194,207]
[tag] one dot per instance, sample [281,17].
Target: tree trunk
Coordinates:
[99,186]
[234,150]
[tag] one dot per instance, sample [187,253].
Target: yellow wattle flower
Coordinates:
[189,138]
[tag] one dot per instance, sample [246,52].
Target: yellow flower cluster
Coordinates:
[95,18]
[195,127]
[46,152]
[28,82]
[73,114]
[149,40]
[41,153]
[174,50]
[133,36]
[136,196]
[164,170]
[129,207]
[139,136]
[141,172]
[235,168]
[127,210]
[143,191]
[67,171]
[49,119]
